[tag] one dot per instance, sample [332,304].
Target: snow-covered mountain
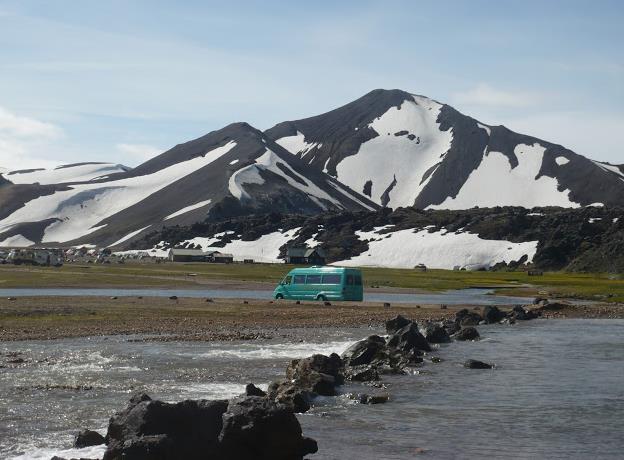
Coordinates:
[402,149]
[233,171]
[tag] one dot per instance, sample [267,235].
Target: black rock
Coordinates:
[252,390]
[466,317]
[364,351]
[434,333]
[519,313]
[396,323]
[492,314]
[287,393]
[257,428]
[154,429]
[474,364]
[362,373]
[88,438]
[467,333]
[408,338]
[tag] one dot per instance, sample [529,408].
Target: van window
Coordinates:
[349,280]
[332,279]
[358,280]
[288,279]
[299,279]
[313,279]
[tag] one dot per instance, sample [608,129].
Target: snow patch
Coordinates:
[128,236]
[606,166]
[375,157]
[269,162]
[264,249]
[16,241]
[562,161]
[296,144]
[496,183]
[486,128]
[439,249]
[188,209]
[233,162]
[60,175]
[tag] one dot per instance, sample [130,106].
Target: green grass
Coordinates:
[580,285]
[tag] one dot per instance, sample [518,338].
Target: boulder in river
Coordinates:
[155,429]
[434,333]
[243,428]
[475,364]
[396,323]
[88,438]
[364,351]
[466,317]
[521,314]
[409,338]
[467,333]
[258,428]
[492,314]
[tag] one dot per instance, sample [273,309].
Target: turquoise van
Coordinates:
[321,283]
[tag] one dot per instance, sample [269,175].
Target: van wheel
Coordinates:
[279,296]
[321,298]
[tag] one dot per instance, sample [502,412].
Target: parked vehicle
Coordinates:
[321,283]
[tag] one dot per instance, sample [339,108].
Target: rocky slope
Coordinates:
[586,239]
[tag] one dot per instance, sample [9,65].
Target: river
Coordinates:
[556,392]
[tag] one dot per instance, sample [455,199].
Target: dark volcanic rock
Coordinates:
[396,323]
[317,374]
[493,314]
[149,429]
[257,428]
[519,313]
[474,364]
[364,351]
[87,438]
[252,390]
[409,338]
[435,333]
[467,333]
[245,428]
[466,317]
[287,393]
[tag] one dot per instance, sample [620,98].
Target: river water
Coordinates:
[451,297]
[557,392]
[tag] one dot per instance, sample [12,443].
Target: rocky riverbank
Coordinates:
[164,319]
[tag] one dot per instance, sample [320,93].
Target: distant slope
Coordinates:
[78,172]
[402,150]
[585,239]
[230,172]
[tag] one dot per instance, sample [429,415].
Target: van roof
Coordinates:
[323,269]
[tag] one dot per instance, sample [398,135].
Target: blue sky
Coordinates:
[122,80]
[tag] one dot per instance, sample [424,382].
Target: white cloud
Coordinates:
[25,142]
[138,152]
[485,95]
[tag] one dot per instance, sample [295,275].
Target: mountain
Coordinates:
[401,149]
[233,171]
[389,148]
